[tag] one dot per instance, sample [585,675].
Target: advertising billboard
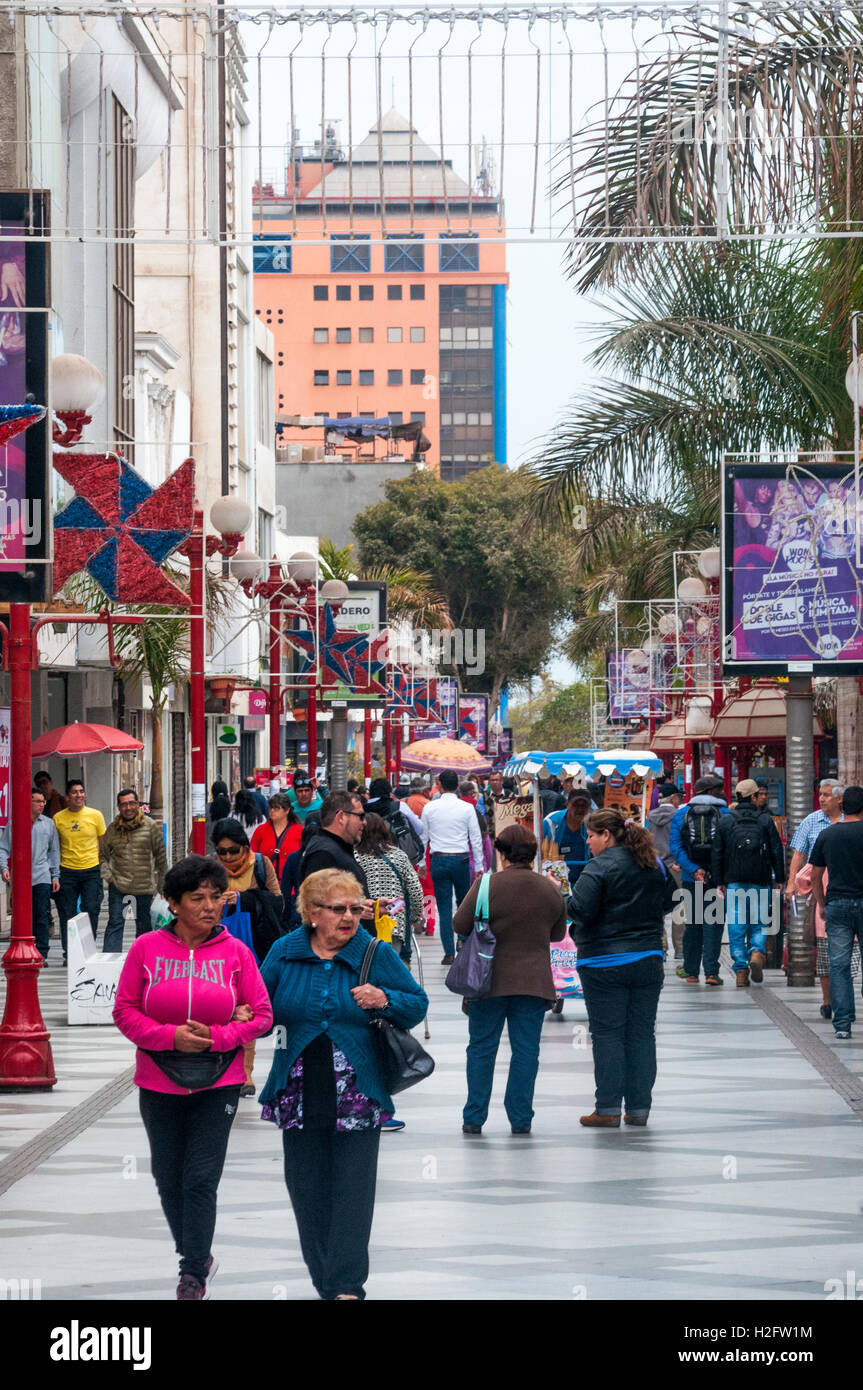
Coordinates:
[25,513]
[364,611]
[792,591]
[630,676]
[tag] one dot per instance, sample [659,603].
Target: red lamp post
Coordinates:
[231,516]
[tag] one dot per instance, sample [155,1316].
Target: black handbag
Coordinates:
[195,1071]
[404,1061]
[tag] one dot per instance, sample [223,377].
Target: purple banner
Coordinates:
[797,594]
[629,682]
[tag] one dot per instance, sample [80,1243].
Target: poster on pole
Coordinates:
[25,436]
[629,794]
[473,721]
[631,673]
[5,721]
[792,590]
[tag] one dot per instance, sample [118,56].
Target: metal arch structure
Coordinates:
[500,68]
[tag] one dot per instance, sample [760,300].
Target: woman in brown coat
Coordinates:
[526,913]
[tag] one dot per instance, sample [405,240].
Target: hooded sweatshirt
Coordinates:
[164,983]
[688,869]
[659,826]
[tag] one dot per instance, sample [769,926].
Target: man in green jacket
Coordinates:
[134,863]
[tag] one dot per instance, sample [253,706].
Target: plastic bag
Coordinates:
[384,924]
[160,913]
[563,971]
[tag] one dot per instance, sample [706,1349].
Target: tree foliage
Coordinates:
[502,571]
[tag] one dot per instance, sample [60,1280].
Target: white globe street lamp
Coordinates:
[231,516]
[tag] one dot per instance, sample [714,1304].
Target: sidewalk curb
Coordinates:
[29,1156]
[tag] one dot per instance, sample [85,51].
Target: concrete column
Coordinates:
[339,749]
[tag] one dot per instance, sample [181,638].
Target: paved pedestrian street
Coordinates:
[745,1186]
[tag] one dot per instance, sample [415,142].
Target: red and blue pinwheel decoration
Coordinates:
[348,660]
[120,529]
[15,418]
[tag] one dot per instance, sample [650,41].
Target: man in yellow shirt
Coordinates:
[80,829]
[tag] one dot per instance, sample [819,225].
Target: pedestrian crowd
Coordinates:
[300,919]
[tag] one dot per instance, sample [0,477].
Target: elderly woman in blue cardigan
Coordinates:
[326,1090]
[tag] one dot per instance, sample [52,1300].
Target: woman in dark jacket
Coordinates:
[326,1089]
[526,913]
[617,907]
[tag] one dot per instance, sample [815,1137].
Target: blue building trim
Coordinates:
[499,306]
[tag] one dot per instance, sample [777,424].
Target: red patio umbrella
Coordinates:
[77,740]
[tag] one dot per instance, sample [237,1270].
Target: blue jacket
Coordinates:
[312,996]
[688,870]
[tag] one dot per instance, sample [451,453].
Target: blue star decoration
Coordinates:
[120,529]
[347,657]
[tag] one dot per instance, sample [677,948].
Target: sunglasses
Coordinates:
[361,815]
[231,852]
[342,909]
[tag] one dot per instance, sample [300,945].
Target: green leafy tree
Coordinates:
[565,721]
[503,572]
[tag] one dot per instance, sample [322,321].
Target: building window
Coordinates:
[322,378]
[367,378]
[265,534]
[394,377]
[394,291]
[343,291]
[418,291]
[365,292]
[404,256]
[265,422]
[366,335]
[320,292]
[394,335]
[343,378]
[322,335]
[271,253]
[124,276]
[343,335]
[395,417]
[458,253]
[418,417]
[418,376]
[418,335]
[349,254]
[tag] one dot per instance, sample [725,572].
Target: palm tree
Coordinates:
[722,350]
[411,594]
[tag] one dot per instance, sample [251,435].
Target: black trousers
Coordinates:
[331,1178]
[621,1005]
[188,1141]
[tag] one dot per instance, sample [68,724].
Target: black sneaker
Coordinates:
[826,1011]
[471,1129]
[190,1289]
[521,1129]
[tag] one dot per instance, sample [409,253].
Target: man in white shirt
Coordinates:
[451,831]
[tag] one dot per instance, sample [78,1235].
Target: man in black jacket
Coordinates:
[746,857]
[332,847]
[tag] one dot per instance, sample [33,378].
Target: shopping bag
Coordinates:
[160,913]
[470,973]
[239,924]
[563,971]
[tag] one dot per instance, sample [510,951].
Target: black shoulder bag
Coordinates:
[404,1061]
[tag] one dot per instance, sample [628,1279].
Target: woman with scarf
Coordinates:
[253,894]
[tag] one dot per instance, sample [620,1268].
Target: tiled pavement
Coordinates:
[746,1184]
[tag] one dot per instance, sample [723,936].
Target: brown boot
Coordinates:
[743,979]
[635,1119]
[600,1121]
[756,966]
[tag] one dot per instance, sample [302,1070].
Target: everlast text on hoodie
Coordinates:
[164,983]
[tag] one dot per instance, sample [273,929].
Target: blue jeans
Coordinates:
[747,914]
[41,898]
[448,872]
[114,930]
[700,937]
[523,1015]
[621,1005]
[844,921]
[84,885]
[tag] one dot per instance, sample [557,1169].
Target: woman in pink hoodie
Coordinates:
[191,996]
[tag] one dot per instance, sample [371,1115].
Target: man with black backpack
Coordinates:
[747,857]
[693,829]
[405,826]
